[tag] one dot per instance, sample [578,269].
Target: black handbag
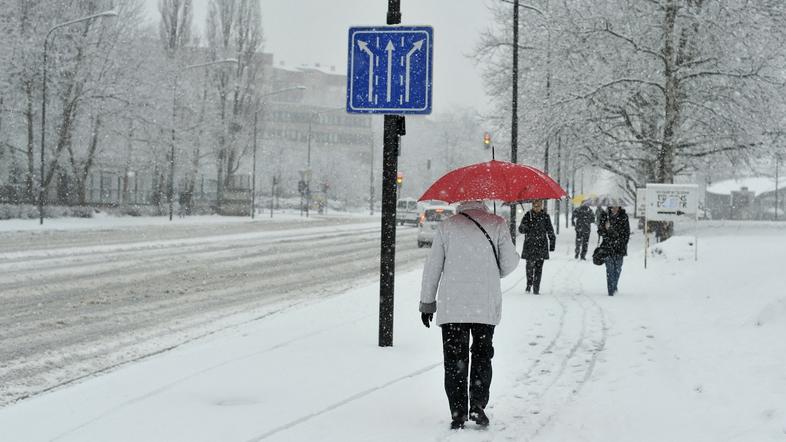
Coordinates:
[600,254]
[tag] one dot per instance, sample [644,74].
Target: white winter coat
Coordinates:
[461,281]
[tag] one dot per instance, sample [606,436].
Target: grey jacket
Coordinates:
[461,280]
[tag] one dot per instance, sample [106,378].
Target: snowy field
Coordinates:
[688,351]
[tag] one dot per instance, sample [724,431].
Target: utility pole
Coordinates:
[514,123]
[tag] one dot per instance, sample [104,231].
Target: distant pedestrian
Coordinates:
[470,252]
[539,240]
[582,220]
[614,228]
[598,213]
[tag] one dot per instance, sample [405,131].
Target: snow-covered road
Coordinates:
[80,302]
[690,351]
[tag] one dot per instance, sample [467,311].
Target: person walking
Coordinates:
[614,228]
[539,240]
[470,253]
[582,220]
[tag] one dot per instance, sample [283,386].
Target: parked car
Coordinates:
[430,219]
[407,211]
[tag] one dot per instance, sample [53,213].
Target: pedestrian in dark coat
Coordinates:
[582,220]
[614,228]
[539,240]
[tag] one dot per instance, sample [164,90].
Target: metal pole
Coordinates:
[308,165]
[254,168]
[43,137]
[371,181]
[514,123]
[171,189]
[393,129]
[272,195]
[777,184]
[558,203]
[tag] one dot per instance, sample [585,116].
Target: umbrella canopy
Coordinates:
[582,197]
[494,180]
[606,201]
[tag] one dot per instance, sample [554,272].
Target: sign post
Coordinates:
[641,212]
[389,72]
[673,202]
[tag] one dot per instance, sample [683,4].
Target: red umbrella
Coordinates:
[495,180]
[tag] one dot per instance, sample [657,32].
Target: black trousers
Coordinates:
[534,272]
[456,349]
[582,239]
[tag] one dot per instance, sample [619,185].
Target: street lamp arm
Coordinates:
[110,13]
[41,190]
[210,63]
[280,91]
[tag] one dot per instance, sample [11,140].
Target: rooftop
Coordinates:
[757,185]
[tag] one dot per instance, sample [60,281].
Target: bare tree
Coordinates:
[175,25]
[648,90]
[234,30]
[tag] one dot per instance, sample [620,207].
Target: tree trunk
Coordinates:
[671,111]
[29,117]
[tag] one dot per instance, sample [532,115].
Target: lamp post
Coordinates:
[171,189]
[254,160]
[308,157]
[110,13]
[777,182]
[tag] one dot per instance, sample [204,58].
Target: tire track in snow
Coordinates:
[111,332]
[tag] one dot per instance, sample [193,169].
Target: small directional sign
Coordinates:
[671,202]
[390,69]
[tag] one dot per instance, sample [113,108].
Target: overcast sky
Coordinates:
[315,31]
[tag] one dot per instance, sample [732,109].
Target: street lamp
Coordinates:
[171,189]
[308,158]
[254,160]
[110,13]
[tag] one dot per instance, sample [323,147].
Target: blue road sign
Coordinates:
[389,69]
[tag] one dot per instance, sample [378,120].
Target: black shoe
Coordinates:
[529,288]
[457,424]
[479,416]
[536,291]
[583,258]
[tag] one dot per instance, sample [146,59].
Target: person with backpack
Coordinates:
[539,240]
[470,253]
[614,228]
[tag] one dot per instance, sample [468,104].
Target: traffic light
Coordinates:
[399,178]
[487,140]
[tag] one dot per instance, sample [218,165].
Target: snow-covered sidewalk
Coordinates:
[689,351]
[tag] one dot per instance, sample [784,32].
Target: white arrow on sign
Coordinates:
[418,44]
[364,47]
[389,49]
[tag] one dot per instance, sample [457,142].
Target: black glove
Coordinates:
[426,318]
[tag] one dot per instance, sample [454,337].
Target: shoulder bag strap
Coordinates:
[494,249]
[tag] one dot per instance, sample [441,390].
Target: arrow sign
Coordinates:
[401,57]
[416,47]
[364,47]
[389,50]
